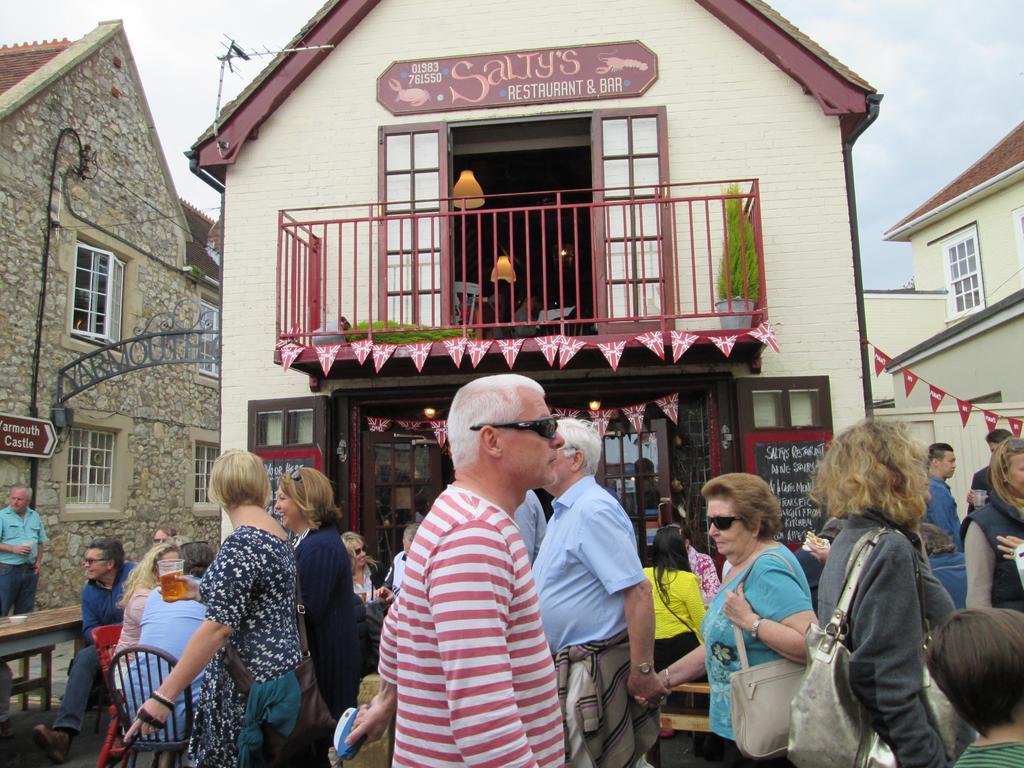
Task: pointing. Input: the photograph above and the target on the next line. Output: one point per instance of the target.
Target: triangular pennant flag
(602, 417)
(381, 353)
(419, 352)
(765, 333)
(570, 347)
(549, 346)
(991, 419)
(378, 425)
(477, 350)
(456, 348)
(440, 430)
(327, 355)
(509, 349)
(724, 343)
(288, 355)
(635, 415)
(681, 341)
(654, 341)
(935, 395)
(881, 360)
(567, 413)
(909, 380)
(965, 410)
(410, 425)
(669, 405)
(1015, 425)
(281, 343)
(612, 352)
(362, 349)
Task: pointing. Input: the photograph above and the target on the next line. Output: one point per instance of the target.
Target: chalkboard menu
(788, 466)
(280, 462)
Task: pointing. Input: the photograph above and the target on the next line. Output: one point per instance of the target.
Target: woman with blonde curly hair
(367, 573)
(140, 582)
(874, 477)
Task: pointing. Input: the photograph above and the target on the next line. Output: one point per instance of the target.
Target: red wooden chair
(105, 639)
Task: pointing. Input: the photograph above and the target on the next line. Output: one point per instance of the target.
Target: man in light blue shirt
(593, 589)
(532, 524)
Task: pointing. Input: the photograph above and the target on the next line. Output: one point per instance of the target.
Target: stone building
(97, 249)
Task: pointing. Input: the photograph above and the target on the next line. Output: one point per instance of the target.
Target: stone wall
(123, 203)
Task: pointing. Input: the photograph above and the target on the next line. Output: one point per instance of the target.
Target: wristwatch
(755, 626)
(644, 668)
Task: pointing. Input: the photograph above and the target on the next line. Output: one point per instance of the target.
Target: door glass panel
(615, 135)
(421, 469)
(398, 154)
(382, 464)
(399, 188)
(426, 150)
(767, 408)
(616, 174)
(645, 135)
(426, 190)
(402, 462)
(645, 175)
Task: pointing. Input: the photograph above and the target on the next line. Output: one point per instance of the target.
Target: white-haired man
(463, 658)
(598, 611)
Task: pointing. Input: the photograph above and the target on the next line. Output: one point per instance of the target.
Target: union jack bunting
(635, 415)
(419, 352)
(570, 347)
(477, 350)
(362, 349)
(669, 405)
(288, 355)
(724, 343)
(456, 348)
(612, 352)
(765, 333)
(509, 349)
(381, 353)
(327, 355)
(549, 346)
(378, 425)
(681, 341)
(654, 341)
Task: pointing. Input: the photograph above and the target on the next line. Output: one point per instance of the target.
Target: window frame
(89, 468)
(113, 312)
(203, 489)
(211, 369)
(1017, 216)
(948, 244)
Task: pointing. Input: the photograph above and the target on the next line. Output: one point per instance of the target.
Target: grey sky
(952, 72)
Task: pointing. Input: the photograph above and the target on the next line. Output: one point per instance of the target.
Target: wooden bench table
(691, 716)
(36, 636)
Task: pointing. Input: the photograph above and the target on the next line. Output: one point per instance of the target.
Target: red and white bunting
(419, 352)
(724, 343)
(509, 349)
(440, 430)
(765, 333)
(601, 419)
(612, 352)
(281, 343)
(567, 413)
(669, 405)
(991, 419)
(635, 415)
(327, 355)
(935, 395)
(288, 355)
(1015, 425)
(381, 354)
(681, 341)
(568, 350)
(909, 380)
(411, 425)
(456, 348)
(650, 438)
(654, 341)
(549, 346)
(378, 425)
(965, 410)
(362, 349)
(477, 350)
(881, 360)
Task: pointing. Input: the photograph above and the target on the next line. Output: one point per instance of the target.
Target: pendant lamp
(467, 192)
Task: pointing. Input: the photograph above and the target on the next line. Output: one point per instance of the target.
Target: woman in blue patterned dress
(249, 592)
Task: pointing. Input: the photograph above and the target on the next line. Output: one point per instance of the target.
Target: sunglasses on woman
(546, 427)
(723, 522)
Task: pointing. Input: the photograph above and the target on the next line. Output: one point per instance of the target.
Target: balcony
(595, 264)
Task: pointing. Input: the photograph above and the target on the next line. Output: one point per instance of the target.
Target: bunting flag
(281, 343)
(288, 355)
(410, 425)
(991, 419)
(724, 343)
(935, 395)
(549, 346)
(327, 355)
(381, 353)
(378, 425)
(477, 350)
(1015, 425)
(362, 349)
(568, 350)
(881, 361)
(567, 413)
(612, 352)
(456, 348)
(635, 415)
(765, 333)
(419, 352)
(669, 405)
(509, 349)
(654, 341)
(681, 341)
(965, 410)
(440, 430)
(602, 417)
(909, 380)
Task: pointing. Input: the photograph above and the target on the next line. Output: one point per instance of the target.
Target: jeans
(17, 590)
(76, 695)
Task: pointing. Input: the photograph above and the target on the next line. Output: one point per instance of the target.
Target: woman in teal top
(771, 606)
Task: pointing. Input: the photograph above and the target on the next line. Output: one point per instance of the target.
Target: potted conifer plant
(739, 274)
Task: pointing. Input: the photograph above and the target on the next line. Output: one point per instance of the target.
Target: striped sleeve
(387, 662)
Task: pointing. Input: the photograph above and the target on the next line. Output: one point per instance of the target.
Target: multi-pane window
(99, 285)
(205, 456)
(209, 319)
(963, 266)
(90, 466)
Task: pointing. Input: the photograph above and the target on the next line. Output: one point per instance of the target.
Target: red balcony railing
(585, 262)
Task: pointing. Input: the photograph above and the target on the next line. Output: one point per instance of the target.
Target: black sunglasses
(546, 427)
(723, 522)
(91, 560)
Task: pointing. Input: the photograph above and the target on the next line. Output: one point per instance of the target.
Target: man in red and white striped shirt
(463, 657)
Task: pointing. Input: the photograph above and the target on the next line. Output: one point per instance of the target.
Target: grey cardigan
(885, 637)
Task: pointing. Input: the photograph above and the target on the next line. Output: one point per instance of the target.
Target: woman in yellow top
(678, 607)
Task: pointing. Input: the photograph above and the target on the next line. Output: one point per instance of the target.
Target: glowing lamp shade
(503, 270)
(468, 193)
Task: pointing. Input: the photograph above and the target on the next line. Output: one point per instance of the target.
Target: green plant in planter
(742, 253)
(410, 336)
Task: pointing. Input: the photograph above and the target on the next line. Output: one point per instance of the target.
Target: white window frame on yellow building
(969, 234)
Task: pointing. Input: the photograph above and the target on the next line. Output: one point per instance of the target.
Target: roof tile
(19, 61)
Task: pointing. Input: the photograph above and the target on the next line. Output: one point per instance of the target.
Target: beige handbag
(761, 699)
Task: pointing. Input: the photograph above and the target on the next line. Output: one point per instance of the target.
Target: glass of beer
(172, 584)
